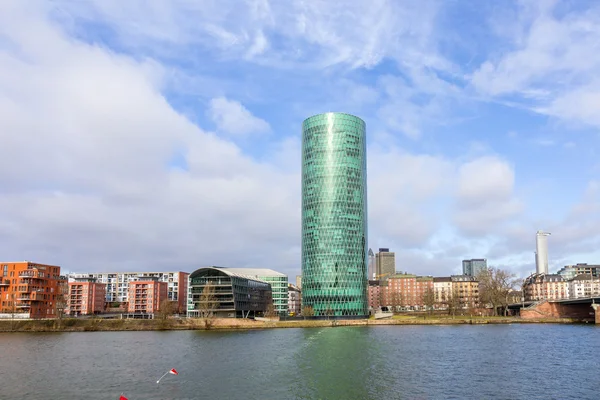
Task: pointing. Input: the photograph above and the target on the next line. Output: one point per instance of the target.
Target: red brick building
(85, 297)
(146, 296)
(406, 291)
(374, 294)
(31, 288)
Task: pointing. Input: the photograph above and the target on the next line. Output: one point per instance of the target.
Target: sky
(166, 135)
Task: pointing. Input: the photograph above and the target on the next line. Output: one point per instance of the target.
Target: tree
(308, 311)
(454, 304)
(270, 312)
(167, 308)
(429, 298)
(495, 286)
(397, 300)
(207, 304)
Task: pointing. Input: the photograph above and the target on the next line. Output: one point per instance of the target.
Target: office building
(569, 272)
(219, 292)
(299, 281)
(278, 281)
(474, 267)
(147, 295)
(117, 285)
(334, 216)
(85, 297)
(372, 269)
(541, 252)
(385, 261)
(31, 290)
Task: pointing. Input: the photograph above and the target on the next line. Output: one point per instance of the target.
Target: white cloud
(234, 119)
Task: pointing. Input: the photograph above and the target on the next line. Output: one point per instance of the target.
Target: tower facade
(334, 216)
(372, 272)
(541, 252)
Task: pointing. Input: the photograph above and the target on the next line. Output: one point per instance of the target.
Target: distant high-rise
(541, 252)
(334, 215)
(372, 266)
(386, 263)
(474, 266)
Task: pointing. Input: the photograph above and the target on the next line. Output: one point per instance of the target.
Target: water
(385, 362)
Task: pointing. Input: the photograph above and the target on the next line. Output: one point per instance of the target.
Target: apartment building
(569, 272)
(294, 300)
(466, 289)
(31, 289)
(146, 295)
(583, 286)
(545, 287)
(374, 295)
(85, 296)
(442, 288)
(117, 284)
(406, 291)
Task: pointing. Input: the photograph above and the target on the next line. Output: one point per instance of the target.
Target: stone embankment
(97, 324)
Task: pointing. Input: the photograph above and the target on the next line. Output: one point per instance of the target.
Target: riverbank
(97, 324)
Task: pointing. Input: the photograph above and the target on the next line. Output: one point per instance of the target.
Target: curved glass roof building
(334, 216)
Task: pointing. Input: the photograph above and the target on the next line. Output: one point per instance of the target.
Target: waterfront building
(278, 281)
(334, 216)
(545, 287)
(583, 286)
(385, 261)
(117, 285)
(294, 300)
(31, 289)
(146, 295)
(474, 266)
(541, 252)
(220, 292)
(569, 272)
(442, 288)
(466, 288)
(406, 291)
(85, 296)
(374, 295)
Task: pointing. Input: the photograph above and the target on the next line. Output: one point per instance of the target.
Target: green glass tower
(334, 216)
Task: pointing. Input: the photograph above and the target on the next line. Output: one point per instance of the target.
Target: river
(529, 361)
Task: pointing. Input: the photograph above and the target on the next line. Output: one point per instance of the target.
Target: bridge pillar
(596, 308)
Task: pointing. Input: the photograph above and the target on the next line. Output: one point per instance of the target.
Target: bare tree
(429, 298)
(454, 304)
(270, 312)
(166, 309)
(207, 304)
(397, 300)
(495, 285)
(308, 311)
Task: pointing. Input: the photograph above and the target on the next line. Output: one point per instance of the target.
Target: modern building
(146, 296)
(442, 287)
(278, 281)
(569, 272)
(541, 252)
(334, 216)
(294, 300)
(545, 287)
(31, 289)
(299, 281)
(385, 261)
(85, 296)
(474, 266)
(117, 284)
(466, 289)
(220, 292)
(372, 269)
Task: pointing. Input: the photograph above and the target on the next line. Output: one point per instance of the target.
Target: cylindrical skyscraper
(334, 216)
(541, 252)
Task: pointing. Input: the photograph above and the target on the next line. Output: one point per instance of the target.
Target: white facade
(442, 288)
(584, 286)
(541, 252)
(117, 283)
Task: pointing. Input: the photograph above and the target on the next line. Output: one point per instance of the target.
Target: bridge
(583, 309)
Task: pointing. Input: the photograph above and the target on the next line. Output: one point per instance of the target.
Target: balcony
(22, 305)
(4, 282)
(32, 296)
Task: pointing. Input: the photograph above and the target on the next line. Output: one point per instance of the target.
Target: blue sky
(166, 135)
